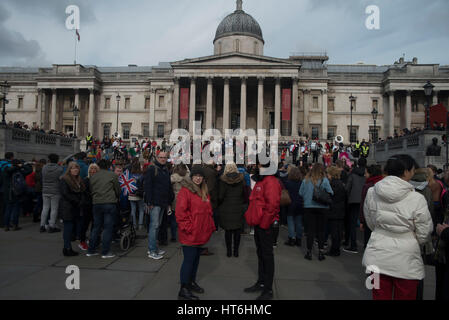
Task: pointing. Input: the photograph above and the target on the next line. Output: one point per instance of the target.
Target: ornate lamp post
(375, 113)
(352, 101)
(428, 90)
(118, 108)
(76, 113)
(4, 90)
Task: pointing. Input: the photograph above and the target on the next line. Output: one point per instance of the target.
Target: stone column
(90, 126)
(175, 110)
(306, 112)
(324, 122)
(225, 105)
(152, 105)
(390, 113)
(77, 103)
(408, 110)
(40, 102)
(260, 104)
(209, 103)
(435, 97)
(192, 109)
(243, 104)
(277, 106)
(53, 109)
(295, 108)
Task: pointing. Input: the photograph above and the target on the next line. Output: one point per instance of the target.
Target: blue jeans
(190, 264)
(156, 215)
(134, 205)
(104, 216)
(294, 227)
(12, 211)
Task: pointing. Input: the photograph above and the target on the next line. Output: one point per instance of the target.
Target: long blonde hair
(316, 174)
(230, 168)
(76, 183)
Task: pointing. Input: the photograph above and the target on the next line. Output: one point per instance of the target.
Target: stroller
(127, 232)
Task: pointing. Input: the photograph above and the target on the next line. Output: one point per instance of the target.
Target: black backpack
(18, 184)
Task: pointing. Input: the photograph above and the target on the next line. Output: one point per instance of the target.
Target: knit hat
(197, 170)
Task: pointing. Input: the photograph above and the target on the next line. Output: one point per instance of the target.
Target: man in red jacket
(263, 210)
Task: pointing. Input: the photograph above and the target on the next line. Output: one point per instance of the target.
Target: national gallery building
(235, 87)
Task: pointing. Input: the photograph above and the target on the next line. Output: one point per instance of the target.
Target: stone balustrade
(27, 145)
(414, 145)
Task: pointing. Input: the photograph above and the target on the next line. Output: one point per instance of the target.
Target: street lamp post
(428, 90)
(374, 113)
(4, 90)
(76, 113)
(351, 100)
(118, 108)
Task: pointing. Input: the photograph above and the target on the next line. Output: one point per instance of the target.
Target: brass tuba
(339, 139)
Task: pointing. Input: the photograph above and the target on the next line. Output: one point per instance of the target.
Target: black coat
(7, 173)
(231, 199)
(338, 206)
(297, 206)
(158, 190)
(71, 202)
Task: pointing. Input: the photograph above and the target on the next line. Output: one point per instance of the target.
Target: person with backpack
(315, 211)
(314, 150)
(50, 193)
(14, 187)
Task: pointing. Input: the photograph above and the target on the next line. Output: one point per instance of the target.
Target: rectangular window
(315, 102)
(106, 129)
(353, 136)
(147, 103)
(374, 134)
(315, 132)
(331, 133)
(160, 130)
(107, 102)
(331, 104)
(376, 104)
(126, 128)
(37, 101)
(161, 101)
(145, 130)
(20, 103)
(127, 103)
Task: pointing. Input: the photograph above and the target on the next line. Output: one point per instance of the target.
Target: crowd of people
(403, 211)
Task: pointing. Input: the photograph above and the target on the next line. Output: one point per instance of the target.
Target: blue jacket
(306, 192)
(246, 176)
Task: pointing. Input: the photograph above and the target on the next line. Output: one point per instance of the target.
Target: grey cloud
(55, 9)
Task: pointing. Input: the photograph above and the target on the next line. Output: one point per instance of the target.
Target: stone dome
(239, 23)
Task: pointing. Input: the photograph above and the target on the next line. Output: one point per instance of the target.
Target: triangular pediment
(234, 59)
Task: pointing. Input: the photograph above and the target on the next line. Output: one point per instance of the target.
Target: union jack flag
(127, 184)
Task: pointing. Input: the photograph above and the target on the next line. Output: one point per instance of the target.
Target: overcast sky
(146, 32)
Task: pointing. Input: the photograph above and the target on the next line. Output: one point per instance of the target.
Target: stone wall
(27, 145)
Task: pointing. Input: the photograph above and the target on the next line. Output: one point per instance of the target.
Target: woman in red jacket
(195, 227)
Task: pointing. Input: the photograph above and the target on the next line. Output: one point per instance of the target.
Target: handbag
(285, 196)
(321, 196)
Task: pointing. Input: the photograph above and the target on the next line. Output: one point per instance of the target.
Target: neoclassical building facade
(236, 87)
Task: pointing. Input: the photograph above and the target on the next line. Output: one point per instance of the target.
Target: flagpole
(75, 47)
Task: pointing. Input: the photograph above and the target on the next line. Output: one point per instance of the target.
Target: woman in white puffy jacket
(401, 222)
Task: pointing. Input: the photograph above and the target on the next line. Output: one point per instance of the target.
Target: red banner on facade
(184, 104)
(286, 104)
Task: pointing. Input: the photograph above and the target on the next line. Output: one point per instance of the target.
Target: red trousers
(395, 289)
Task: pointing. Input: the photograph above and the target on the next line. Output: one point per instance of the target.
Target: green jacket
(104, 188)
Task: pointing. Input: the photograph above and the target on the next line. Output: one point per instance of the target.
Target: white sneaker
(108, 256)
(92, 254)
(161, 252)
(155, 256)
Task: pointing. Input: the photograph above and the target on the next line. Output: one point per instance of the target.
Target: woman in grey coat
(231, 199)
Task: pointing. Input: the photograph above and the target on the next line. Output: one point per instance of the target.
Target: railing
(413, 141)
(45, 139)
(20, 135)
(395, 144)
